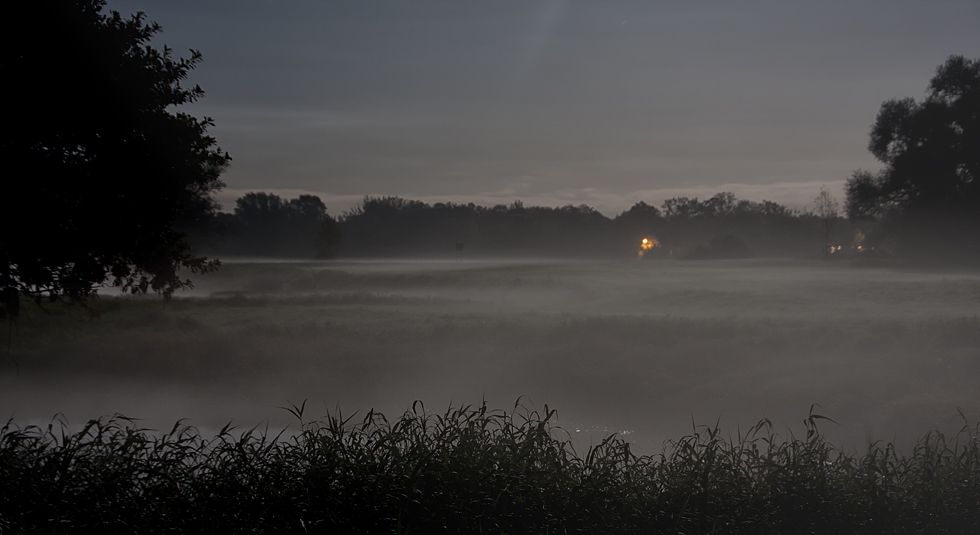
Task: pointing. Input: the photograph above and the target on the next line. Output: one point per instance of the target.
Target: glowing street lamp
(646, 244)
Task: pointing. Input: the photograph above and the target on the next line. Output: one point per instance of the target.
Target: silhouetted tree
(640, 221)
(265, 224)
(769, 208)
(682, 208)
(329, 238)
(98, 169)
(766, 228)
(304, 220)
(928, 194)
(722, 226)
(392, 226)
(262, 217)
(721, 246)
(826, 208)
(720, 204)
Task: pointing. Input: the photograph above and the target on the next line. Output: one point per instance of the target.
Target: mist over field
(631, 347)
(490, 267)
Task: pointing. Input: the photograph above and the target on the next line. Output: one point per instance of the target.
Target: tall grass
(474, 470)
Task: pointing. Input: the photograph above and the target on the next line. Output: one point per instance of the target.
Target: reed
(475, 470)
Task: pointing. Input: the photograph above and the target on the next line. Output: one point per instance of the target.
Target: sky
(553, 102)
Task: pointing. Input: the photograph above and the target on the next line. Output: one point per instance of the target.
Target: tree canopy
(265, 224)
(826, 208)
(722, 225)
(99, 167)
(928, 194)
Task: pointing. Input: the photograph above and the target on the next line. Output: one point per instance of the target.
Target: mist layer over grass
(638, 348)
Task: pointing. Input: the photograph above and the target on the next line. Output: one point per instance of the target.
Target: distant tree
(262, 217)
(270, 226)
(681, 208)
(641, 210)
(640, 221)
(927, 196)
(329, 238)
(721, 246)
(306, 210)
(98, 169)
(304, 220)
(720, 204)
(773, 209)
(826, 208)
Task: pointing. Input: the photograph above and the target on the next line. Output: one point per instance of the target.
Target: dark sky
(553, 102)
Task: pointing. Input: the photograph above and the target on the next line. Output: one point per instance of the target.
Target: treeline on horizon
(923, 205)
(722, 226)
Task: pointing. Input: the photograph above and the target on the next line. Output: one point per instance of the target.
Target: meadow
(641, 349)
(651, 396)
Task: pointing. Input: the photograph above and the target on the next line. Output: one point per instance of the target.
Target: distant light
(646, 244)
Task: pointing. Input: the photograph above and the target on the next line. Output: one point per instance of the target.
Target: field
(636, 348)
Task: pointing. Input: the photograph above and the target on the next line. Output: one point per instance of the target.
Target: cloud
(553, 102)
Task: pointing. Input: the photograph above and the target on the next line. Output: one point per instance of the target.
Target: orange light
(646, 244)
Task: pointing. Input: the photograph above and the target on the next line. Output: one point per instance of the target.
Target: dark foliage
(720, 247)
(272, 226)
(99, 170)
(471, 470)
(927, 197)
(391, 226)
(267, 225)
(689, 228)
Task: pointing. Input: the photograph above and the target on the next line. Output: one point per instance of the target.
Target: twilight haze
(553, 102)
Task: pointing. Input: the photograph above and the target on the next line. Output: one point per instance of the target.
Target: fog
(641, 348)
